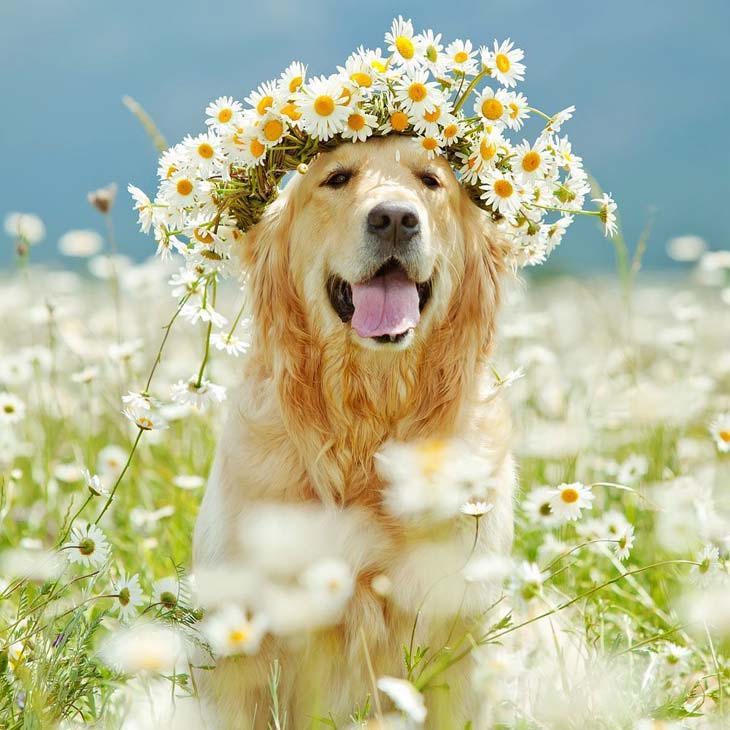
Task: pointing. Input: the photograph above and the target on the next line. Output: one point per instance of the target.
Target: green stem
(120, 477)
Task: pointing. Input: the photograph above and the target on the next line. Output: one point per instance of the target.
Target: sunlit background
(649, 80)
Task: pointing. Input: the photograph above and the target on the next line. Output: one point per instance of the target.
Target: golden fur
(317, 403)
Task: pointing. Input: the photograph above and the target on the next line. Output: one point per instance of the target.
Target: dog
(375, 284)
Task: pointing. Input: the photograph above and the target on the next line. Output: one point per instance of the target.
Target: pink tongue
(385, 305)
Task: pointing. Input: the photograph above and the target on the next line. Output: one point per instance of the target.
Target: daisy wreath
(455, 100)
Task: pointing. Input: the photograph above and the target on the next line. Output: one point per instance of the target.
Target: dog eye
(338, 179)
(430, 181)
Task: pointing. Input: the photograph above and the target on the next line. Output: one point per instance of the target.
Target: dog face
(376, 240)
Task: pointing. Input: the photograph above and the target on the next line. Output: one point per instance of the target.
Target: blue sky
(649, 80)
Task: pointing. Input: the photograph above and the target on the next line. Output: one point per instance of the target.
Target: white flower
(25, 226)
(432, 478)
(675, 657)
(502, 193)
(86, 376)
(144, 647)
(607, 213)
(198, 311)
(404, 44)
(526, 582)
(538, 507)
(87, 545)
(203, 153)
(568, 500)
(129, 596)
(292, 78)
(557, 120)
(137, 401)
(12, 409)
(229, 343)
(359, 125)
(624, 542)
(686, 248)
(197, 394)
(267, 96)
(720, 430)
(171, 592)
(145, 420)
(416, 94)
(143, 206)
(320, 102)
(188, 481)
(405, 697)
(94, 484)
(709, 566)
(492, 106)
(230, 631)
(80, 243)
(223, 113)
(504, 63)
(461, 57)
(475, 508)
(531, 161)
(331, 579)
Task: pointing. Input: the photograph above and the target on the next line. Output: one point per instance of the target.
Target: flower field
(615, 609)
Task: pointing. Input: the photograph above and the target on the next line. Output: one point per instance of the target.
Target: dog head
(375, 246)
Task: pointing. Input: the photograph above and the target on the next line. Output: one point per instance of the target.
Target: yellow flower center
(87, 546)
(430, 143)
(569, 495)
(256, 147)
(345, 96)
(487, 149)
(399, 121)
(461, 56)
(417, 91)
(291, 110)
(492, 109)
(405, 47)
(295, 83)
(362, 79)
(432, 54)
(514, 110)
(273, 129)
(225, 115)
(502, 62)
(170, 171)
(205, 151)
(531, 161)
(145, 423)
(324, 105)
(451, 130)
(184, 186)
(725, 436)
(356, 122)
(503, 188)
(264, 104)
(237, 636)
(379, 66)
(434, 115)
(432, 454)
(203, 236)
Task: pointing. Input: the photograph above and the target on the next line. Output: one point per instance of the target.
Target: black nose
(394, 222)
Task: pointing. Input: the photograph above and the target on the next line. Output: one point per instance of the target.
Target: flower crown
(217, 184)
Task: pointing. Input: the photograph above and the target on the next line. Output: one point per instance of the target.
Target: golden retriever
(375, 284)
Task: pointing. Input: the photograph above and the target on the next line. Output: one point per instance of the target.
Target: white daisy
(430, 121)
(271, 129)
(502, 193)
(607, 213)
(170, 592)
(416, 94)
(267, 96)
(568, 500)
(12, 409)
(143, 206)
(129, 596)
(492, 106)
(720, 430)
(323, 115)
(197, 394)
(403, 44)
(557, 120)
(359, 125)
(229, 343)
(223, 113)
(94, 483)
(504, 63)
(405, 697)
(330, 578)
(202, 311)
(204, 153)
(518, 110)
(526, 582)
(146, 420)
(110, 460)
(431, 145)
(358, 70)
(531, 161)
(433, 52)
(462, 58)
(230, 631)
(181, 189)
(554, 232)
(25, 226)
(87, 545)
(80, 243)
(475, 508)
(709, 566)
(397, 121)
(292, 78)
(144, 647)
(537, 506)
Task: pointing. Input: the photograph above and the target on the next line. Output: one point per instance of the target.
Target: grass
(622, 380)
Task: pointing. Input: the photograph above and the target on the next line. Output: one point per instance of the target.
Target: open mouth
(386, 308)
